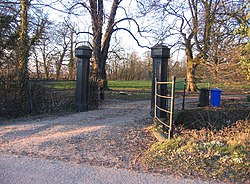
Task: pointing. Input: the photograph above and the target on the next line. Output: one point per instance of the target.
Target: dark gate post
(83, 53)
(160, 54)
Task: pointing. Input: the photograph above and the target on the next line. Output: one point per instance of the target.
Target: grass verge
(222, 155)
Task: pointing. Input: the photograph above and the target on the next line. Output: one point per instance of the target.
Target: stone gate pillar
(83, 54)
(160, 54)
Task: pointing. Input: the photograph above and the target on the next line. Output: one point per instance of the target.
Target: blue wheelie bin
(215, 97)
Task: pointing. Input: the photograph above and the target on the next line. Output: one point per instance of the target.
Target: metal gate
(169, 109)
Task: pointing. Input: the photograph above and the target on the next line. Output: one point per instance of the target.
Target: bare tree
(223, 56)
(203, 26)
(103, 27)
(130, 66)
(25, 42)
(182, 25)
(62, 45)
(71, 65)
(72, 41)
(55, 51)
(44, 52)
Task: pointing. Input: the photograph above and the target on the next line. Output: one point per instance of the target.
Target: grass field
(130, 85)
(179, 86)
(142, 85)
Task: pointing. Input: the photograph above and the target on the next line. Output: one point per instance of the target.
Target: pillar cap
(83, 52)
(160, 51)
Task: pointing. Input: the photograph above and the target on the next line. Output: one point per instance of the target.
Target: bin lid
(216, 89)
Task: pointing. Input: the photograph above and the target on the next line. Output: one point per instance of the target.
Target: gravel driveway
(113, 136)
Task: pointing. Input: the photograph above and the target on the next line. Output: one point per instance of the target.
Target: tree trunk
(191, 65)
(191, 86)
(71, 58)
(22, 62)
(101, 44)
(60, 62)
(96, 11)
(45, 63)
(23, 52)
(59, 65)
(37, 65)
(216, 73)
(58, 69)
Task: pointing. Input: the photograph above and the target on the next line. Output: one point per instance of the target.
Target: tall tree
(184, 21)
(8, 38)
(53, 49)
(197, 24)
(240, 12)
(101, 42)
(71, 65)
(222, 60)
(25, 41)
(62, 44)
(103, 27)
(23, 51)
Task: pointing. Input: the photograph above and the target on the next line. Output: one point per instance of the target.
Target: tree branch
(137, 41)
(82, 4)
(84, 32)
